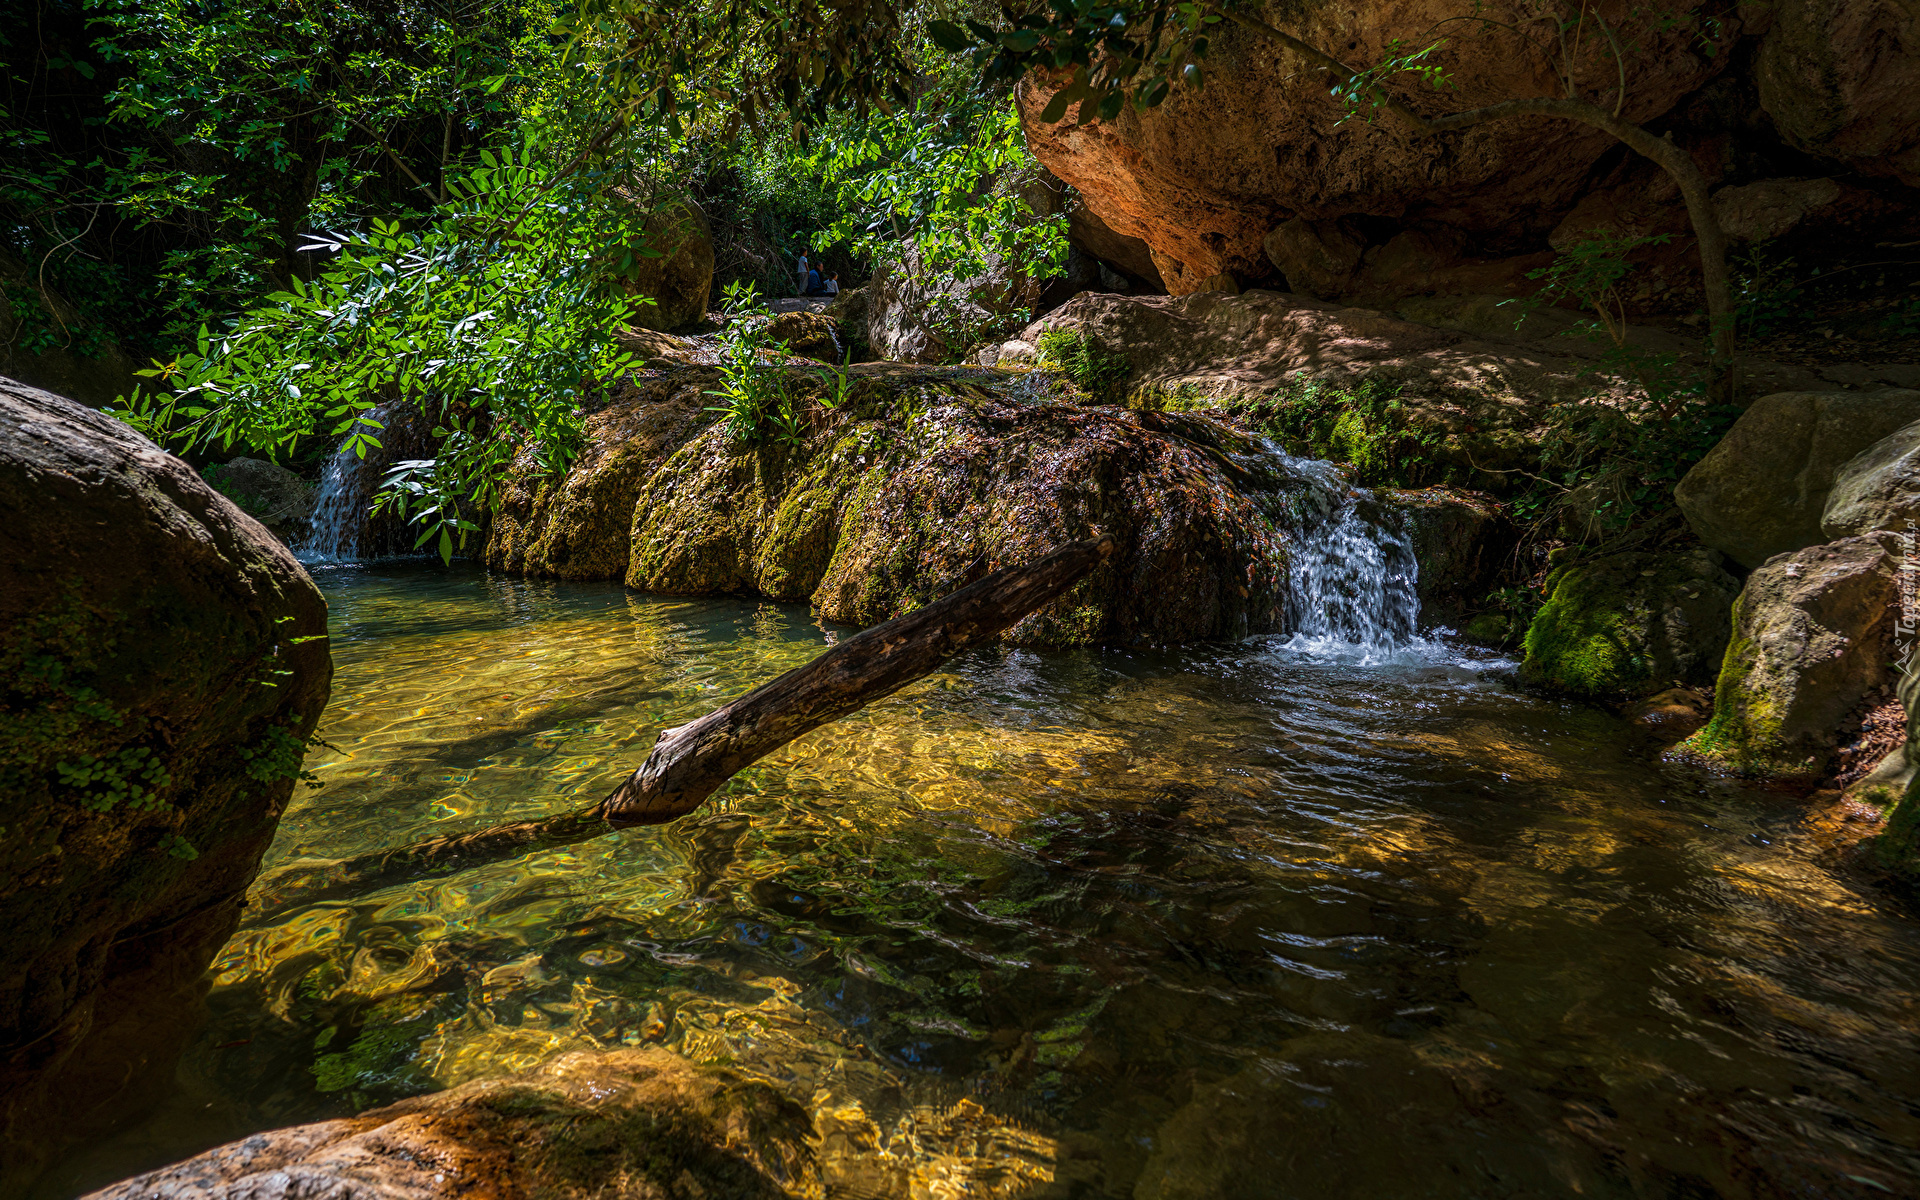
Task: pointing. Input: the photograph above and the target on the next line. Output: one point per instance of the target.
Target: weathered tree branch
(692, 762)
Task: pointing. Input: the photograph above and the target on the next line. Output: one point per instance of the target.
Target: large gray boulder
(1764, 488)
(162, 662)
(1879, 488)
(1813, 633)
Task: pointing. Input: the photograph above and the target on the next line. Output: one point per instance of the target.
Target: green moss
(1898, 845)
(1079, 356)
(1743, 735)
(1584, 641)
(1365, 424)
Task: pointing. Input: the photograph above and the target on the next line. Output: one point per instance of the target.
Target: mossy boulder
(1630, 624)
(921, 480)
(1812, 636)
(640, 1123)
(578, 524)
(162, 662)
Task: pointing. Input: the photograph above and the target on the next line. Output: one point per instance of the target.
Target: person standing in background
(804, 268)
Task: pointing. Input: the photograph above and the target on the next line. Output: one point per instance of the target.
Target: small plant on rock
(751, 389)
(1079, 356)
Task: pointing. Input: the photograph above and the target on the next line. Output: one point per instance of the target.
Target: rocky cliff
(1262, 176)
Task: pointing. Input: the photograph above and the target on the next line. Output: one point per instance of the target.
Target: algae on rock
(1629, 624)
(1812, 632)
(919, 481)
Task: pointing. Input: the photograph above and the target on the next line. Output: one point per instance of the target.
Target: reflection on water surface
(1230, 921)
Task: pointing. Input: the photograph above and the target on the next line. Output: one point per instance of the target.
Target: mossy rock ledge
(162, 662)
(923, 480)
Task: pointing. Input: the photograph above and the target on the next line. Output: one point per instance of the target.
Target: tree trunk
(690, 763)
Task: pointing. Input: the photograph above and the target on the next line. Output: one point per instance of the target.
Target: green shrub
(1078, 355)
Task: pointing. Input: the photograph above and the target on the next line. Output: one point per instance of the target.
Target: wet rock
(1879, 488)
(679, 278)
(922, 481)
(926, 481)
(1762, 490)
(1462, 541)
(1811, 641)
(580, 525)
(271, 494)
(1676, 711)
(1204, 177)
(1630, 624)
(1841, 80)
(809, 335)
(641, 1123)
(162, 662)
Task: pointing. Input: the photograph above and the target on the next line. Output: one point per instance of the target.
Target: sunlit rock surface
(162, 661)
(919, 482)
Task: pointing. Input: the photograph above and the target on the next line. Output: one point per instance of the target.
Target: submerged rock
(641, 1123)
(1762, 490)
(162, 663)
(1812, 635)
(1631, 624)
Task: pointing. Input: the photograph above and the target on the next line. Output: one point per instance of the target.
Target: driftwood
(690, 763)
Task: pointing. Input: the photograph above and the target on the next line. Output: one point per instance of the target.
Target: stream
(1305, 918)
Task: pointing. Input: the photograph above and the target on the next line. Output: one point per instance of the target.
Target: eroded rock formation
(1263, 177)
(162, 663)
(1206, 176)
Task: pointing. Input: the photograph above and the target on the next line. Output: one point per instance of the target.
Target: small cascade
(1352, 571)
(341, 528)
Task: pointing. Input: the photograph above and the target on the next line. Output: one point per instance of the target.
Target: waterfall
(1353, 578)
(340, 528)
(339, 514)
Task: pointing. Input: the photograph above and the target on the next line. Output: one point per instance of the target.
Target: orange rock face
(1203, 178)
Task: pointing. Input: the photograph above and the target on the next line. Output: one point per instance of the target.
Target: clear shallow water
(1273, 919)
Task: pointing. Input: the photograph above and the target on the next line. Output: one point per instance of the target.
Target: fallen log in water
(690, 763)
